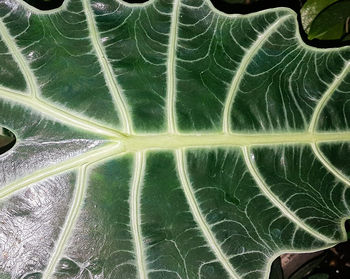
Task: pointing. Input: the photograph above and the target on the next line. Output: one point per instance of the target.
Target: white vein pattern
(21, 61)
(51, 111)
(96, 155)
(276, 202)
(111, 82)
(339, 175)
(327, 95)
(34, 89)
(139, 144)
(171, 69)
(34, 99)
(135, 214)
(71, 218)
(248, 56)
(198, 216)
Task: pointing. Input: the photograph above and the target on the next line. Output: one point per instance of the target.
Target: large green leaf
(167, 140)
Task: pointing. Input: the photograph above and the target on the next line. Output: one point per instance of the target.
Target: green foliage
(326, 19)
(167, 140)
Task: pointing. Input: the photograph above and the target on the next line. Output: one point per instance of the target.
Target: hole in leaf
(347, 228)
(45, 4)
(7, 140)
(347, 225)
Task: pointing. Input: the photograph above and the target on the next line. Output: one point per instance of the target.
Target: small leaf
(330, 23)
(311, 9)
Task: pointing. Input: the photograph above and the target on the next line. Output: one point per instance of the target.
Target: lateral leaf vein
(110, 79)
(135, 214)
(199, 218)
(242, 68)
(277, 202)
(68, 226)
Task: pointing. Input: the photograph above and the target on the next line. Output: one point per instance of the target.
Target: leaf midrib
(144, 143)
(139, 142)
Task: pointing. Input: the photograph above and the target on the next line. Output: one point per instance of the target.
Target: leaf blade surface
(192, 144)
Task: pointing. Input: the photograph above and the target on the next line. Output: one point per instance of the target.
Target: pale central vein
(107, 69)
(277, 202)
(326, 96)
(242, 68)
(136, 143)
(198, 216)
(171, 69)
(20, 59)
(71, 218)
(135, 214)
(171, 141)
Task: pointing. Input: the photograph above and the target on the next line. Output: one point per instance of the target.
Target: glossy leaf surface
(167, 140)
(326, 19)
(311, 9)
(337, 16)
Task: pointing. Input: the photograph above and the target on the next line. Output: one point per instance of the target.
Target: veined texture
(167, 140)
